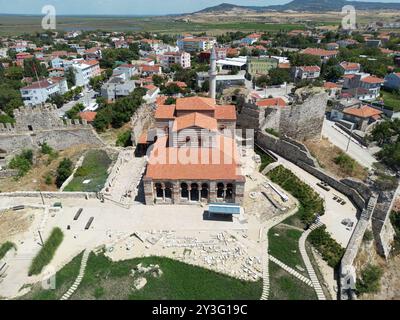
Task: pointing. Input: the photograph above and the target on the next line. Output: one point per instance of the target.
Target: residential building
(251, 39)
(117, 87)
(325, 55)
(362, 86)
(306, 73)
(128, 70)
(193, 44)
(178, 58)
(149, 70)
(362, 116)
(85, 70)
(350, 67)
(38, 92)
(392, 81)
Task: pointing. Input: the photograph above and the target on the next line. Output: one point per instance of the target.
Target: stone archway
(205, 191)
(220, 190)
(184, 191)
(194, 192)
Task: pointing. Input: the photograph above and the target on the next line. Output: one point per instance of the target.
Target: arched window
(194, 192)
(168, 190)
(204, 191)
(184, 191)
(220, 190)
(229, 191)
(159, 191)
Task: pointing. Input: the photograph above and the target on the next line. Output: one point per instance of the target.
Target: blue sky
(128, 7)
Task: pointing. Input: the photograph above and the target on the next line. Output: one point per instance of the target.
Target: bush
(272, 132)
(124, 139)
(368, 236)
(370, 280)
(311, 204)
(48, 179)
(22, 162)
(47, 252)
(5, 247)
(346, 163)
(395, 220)
(64, 170)
(330, 250)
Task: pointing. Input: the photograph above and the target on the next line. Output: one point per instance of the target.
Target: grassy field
(286, 287)
(5, 247)
(107, 280)
(94, 168)
(392, 100)
(47, 252)
(18, 24)
(64, 280)
(285, 247)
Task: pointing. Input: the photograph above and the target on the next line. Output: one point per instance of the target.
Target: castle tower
(213, 74)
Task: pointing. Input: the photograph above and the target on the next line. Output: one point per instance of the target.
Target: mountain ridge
(306, 5)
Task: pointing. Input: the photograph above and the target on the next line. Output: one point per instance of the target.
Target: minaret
(213, 74)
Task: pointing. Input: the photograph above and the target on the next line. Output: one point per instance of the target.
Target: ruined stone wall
(381, 225)
(304, 119)
(250, 116)
(34, 126)
(142, 120)
(298, 154)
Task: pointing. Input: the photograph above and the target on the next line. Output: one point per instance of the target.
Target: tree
(64, 170)
(370, 279)
(304, 60)
(70, 77)
(74, 111)
(278, 76)
(33, 68)
(158, 80)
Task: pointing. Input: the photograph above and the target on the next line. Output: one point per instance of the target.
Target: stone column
(148, 191)
(176, 190)
(212, 192)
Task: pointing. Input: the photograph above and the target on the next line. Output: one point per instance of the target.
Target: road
(86, 100)
(341, 139)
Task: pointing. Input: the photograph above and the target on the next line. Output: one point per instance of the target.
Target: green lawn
(94, 168)
(285, 247)
(64, 280)
(284, 286)
(392, 100)
(5, 247)
(107, 280)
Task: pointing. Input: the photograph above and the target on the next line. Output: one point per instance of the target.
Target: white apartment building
(38, 92)
(192, 44)
(84, 71)
(180, 58)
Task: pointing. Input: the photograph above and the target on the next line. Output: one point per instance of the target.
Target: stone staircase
(307, 262)
(291, 271)
(81, 274)
(266, 285)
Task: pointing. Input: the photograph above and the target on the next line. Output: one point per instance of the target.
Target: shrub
(5, 247)
(368, 236)
(124, 139)
(346, 163)
(47, 252)
(331, 251)
(370, 280)
(311, 204)
(22, 162)
(46, 149)
(64, 170)
(48, 179)
(272, 132)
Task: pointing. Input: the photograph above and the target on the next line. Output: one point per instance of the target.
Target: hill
(306, 5)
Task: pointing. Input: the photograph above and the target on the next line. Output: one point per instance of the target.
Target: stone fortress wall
(142, 119)
(34, 126)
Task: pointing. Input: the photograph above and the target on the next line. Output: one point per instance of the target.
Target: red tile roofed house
(151, 94)
(306, 72)
(38, 92)
(332, 88)
(325, 55)
(150, 70)
(89, 116)
(350, 67)
(362, 116)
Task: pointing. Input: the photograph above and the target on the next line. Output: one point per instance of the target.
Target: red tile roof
(195, 120)
(203, 168)
(372, 79)
(225, 113)
(195, 104)
(271, 102)
(310, 68)
(320, 52)
(89, 116)
(363, 111)
(165, 112)
(350, 65)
